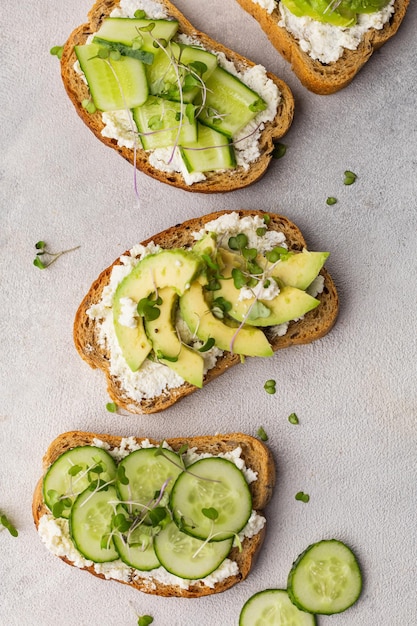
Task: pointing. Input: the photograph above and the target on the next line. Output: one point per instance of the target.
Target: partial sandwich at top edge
(327, 42)
(184, 306)
(151, 86)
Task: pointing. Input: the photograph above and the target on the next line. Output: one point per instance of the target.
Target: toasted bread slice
(314, 325)
(256, 456)
(318, 77)
(220, 181)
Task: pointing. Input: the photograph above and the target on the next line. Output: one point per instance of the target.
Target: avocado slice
(298, 269)
(162, 333)
(322, 10)
(169, 268)
(198, 317)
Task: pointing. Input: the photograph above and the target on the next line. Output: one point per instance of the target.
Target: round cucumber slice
(211, 500)
(72, 473)
(272, 607)
(147, 471)
(136, 547)
(187, 557)
(91, 524)
(325, 579)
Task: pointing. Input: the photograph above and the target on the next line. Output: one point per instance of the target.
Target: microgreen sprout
(293, 419)
(208, 345)
(148, 308)
(279, 150)
(331, 200)
(7, 524)
(145, 620)
(270, 386)
(111, 407)
(262, 434)
(349, 178)
(44, 257)
(57, 51)
(302, 497)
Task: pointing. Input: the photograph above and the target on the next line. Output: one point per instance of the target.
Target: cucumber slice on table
(325, 579)
(162, 123)
(142, 32)
(230, 104)
(212, 151)
(72, 473)
(147, 472)
(211, 500)
(114, 84)
(188, 557)
(91, 524)
(136, 546)
(272, 607)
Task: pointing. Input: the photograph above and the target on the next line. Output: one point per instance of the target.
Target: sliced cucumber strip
(162, 123)
(211, 499)
(136, 545)
(140, 32)
(91, 524)
(230, 104)
(146, 473)
(188, 557)
(325, 579)
(273, 607)
(211, 151)
(72, 473)
(114, 84)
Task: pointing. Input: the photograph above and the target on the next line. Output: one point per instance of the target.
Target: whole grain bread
(256, 455)
(315, 323)
(222, 181)
(318, 77)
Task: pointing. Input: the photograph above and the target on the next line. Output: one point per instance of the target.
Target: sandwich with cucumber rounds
(180, 517)
(178, 105)
(184, 306)
(327, 42)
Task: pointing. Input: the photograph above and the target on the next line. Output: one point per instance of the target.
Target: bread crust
(256, 455)
(216, 182)
(320, 78)
(314, 325)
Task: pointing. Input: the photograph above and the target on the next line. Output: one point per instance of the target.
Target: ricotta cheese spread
(55, 533)
(119, 125)
(326, 42)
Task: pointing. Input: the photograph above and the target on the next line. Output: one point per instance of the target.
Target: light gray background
(354, 391)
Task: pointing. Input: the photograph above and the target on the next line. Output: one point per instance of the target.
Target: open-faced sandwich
(327, 41)
(179, 106)
(184, 306)
(180, 517)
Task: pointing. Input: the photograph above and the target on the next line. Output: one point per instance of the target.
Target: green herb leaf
(210, 513)
(170, 359)
(199, 67)
(302, 497)
(121, 475)
(157, 515)
(183, 449)
(331, 200)
(74, 470)
(267, 219)
(145, 620)
(4, 521)
(148, 309)
(261, 231)
(249, 253)
(279, 150)
(293, 419)
(38, 263)
(239, 278)
(57, 51)
(208, 345)
(270, 386)
(155, 123)
(258, 310)
(239, 242)
(262, 434)
(190, 112)
(276, 254)
(258, 105)
(349, 178)
(111, 407)
(139, 14)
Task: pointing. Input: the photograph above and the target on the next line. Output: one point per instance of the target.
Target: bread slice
(318, 77)
(256, 456)
(215, 181)
(314, 325)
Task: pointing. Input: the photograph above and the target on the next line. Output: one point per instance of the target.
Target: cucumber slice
(114, 85)
(136, 547)
(213, 484)
(212, 151)
(187, 557)
(325, 579)
(230, 104)
(72, 473)
(142, 32)
(273, 607)
(91, 524)
(147, 472)
(162, 123)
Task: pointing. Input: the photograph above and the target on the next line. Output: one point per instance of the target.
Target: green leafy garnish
(331, 200)
(208, 345)
(239, 278)
(270, 386)
(258, 310)
(121, 475)
(145, 620)
(258, 105)
(279, 150)
(111, 407)
(210, 513)
(238, 242)
(276, 254)
(148, 308)
(302, 497)
(349, 178)
(6, 523)
(57, 51)
(293, 419)
(74, 470)
(50, 257)
(220, 306)
(267, 219)
(139, 14)
(262, 434)
(261, 231)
